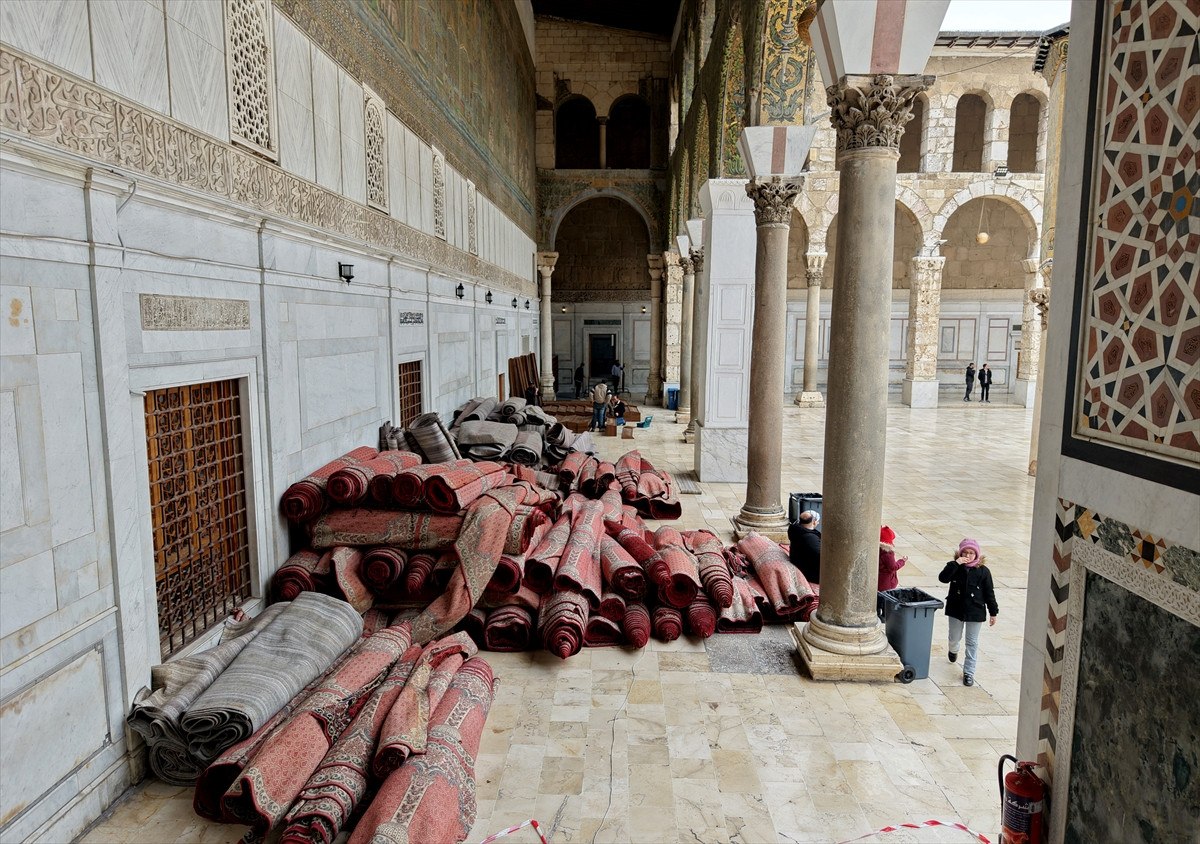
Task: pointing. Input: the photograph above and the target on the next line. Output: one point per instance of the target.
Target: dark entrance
(602, 351)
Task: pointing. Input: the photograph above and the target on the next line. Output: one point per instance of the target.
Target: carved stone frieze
(439, 194)
(472, 220)
(773, 200)
(56, 109)
(193, 313)
(870, 111)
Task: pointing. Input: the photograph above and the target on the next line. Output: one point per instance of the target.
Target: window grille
(410, 392)
(251, 75)
(197, 507)
(376, 149)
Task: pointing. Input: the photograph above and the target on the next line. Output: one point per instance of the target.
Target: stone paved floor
(687, 742)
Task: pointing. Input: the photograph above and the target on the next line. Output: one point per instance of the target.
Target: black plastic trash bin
(907, 615)
(798, 502)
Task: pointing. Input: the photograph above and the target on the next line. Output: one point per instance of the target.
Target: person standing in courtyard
(985, 383)
(618, 372)
(970, 381)
(971, 599)
(599, 406)
(889, 563)
(579, 381)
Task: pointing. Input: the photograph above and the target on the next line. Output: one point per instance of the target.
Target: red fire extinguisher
(1022, 804)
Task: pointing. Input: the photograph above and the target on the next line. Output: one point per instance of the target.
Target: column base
(773, 525)
(720, 454)
(920, 393)
(683, 416)
(548, 393)
(654, 392)
(1024, 391)
(810, 399)
(689, 433)
(842, 653)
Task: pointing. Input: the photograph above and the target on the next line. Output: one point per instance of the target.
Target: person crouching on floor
(889, 563)
(971, 599)
(804, 535)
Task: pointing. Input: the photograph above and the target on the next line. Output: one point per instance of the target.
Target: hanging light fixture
(981, 235)
(460, 291)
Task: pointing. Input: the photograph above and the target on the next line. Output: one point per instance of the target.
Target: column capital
(697, 257)
(602, 119)
(773, 199)
(1040, 297)
(869, 112)
(925, 264)
(672, 259)
(546, 262)
(655, 262)
(1030, 265)
(814, 270)
(686, 263)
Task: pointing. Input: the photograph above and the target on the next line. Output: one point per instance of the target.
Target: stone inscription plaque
(193, 313)
(410, 318)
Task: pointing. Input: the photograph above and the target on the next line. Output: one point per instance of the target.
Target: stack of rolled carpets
(526, 449)
(652, 492)
(786, 591)
(449, 489)
(476, 410)
(511, 410)
(305, 499)
(657, 570)
(304, 571)
(558, 442)
(561, 621)
(432, 440)
(361, 528)
(486, 440)
(579, 567)
(350, 484)
(408, 487)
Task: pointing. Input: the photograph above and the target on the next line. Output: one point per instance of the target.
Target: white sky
(1005, 15)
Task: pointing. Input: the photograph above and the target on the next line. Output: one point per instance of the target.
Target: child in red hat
(889, 564)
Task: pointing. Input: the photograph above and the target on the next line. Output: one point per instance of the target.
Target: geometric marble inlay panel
(193, 313)
(1140, 348)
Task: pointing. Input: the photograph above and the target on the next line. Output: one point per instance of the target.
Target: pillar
(654, 391)
(1040, 296)
(683, 414)
(763, 511)
(844, 639)
(545, 265)
(672, 317)
(696, 358)
(924, 314)
(814, 271)
(1031, 339)
(603, 121)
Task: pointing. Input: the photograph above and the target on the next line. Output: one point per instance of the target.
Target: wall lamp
(460, 291)
(526, 304)
(346, 271)
(643, 309)
(488, 297)
(514, 301)
(564, 309)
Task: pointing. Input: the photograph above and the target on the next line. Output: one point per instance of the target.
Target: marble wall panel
(412, 173)
(294, 87)
(27, 592)
(63, 413)
(196, 58)
(130, 44)
(337, 386)
(327, 116)
(354, 161)
(54, 30)
(397, 184)
(12, 499)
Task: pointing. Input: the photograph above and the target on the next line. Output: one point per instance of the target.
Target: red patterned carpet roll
(612, 606)
(408, 487)
(569, 469)
(561, 621)
(628, 469)
(420, 566)
(542, 564)
(786, 590)
(383, 567)
(347, 572)
(711, 565)
(613, 508)
(506, 579)
(684, 582)
(602, 632)
(508, 629)
(637, 625)
(473, 624)
(305, 499)
(454, 487)
(667, 623)
(304, 571)
(620, 570)
(587, 476)
(701, 617)
(666, 536)
(349, 485)
(579, 568)
(431, 797)
(655, 567)
(742, 616)
(526, 529)
(361, 527)
(597, 477)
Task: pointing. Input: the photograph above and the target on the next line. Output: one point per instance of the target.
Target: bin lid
(911, 597)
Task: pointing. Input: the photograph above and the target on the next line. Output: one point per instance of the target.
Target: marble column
(672, 317)
(683, 414)
(654, 391)
(1031, 339)
(844, 639)
(814, 272)
(1040, 297)
(603, 121)
(545, 265)
(696, 358)
(924, 314)
(763, 511)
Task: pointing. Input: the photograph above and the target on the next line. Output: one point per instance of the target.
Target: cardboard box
(627, 432)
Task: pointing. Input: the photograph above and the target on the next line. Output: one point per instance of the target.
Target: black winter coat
(971, 592)
(806, 551)
(985, 377)
(970, 375)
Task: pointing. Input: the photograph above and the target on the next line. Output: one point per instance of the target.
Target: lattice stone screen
(376, 148)
(410, 392)
(251, 75)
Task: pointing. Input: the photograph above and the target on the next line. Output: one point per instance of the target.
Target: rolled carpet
(383, 567)
(637, 625)
(561, 622)
(452, 488)
(711, 565)
(526, 449)
(569, 469)
(508, 629)
(656, 569)
(512, 406)
(667, 624)
(432, 439)
(473, 624)
(347, 573)
(612, 606)
(305, 499)
(476, 410)
(349, 485)
(742, 616)
(174, 686)
(701, 617)
(684, 581)
(486, 440)
(602, 632)
(408, 487)
(360, 527)
(528, 526)
(587, 477)
(420, 565)
(666, 536)
(542, 563)
(304, 571)
(628, 469)
(620, 571)
(432, 797)
(506, 579)
(274, 776)
(297, 646)
(606, 474)
(784, 586)
(579, 568)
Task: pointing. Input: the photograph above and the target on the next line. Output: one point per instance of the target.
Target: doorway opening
(602, 351)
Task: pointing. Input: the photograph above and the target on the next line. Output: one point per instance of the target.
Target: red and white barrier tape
(531, 822)
(983, 839)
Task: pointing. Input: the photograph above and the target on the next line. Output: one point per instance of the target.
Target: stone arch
(557, 216)
(906, 198)
(602, 242)
(798, 247)
(628, 133)
(973, 111)
(1026, 132)
(1009, 193)
(576, 134)
(1002, 261)
(908, 242)
(912, 142)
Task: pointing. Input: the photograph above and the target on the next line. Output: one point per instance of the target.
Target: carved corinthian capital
(870, 111)
(773, 200)
(697, 256)
(1040, 297)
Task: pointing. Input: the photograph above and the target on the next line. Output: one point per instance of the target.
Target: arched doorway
(576, 135)
(628, 133)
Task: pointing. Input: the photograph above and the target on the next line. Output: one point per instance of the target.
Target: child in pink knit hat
(972, 598)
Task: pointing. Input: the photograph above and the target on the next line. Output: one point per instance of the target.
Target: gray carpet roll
(486, 440)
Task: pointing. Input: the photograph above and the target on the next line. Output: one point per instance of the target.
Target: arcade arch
(996, 264)
(797, 249)
(576, 135)
(970, 116)
(906, 245)
(602, 243)
(628, 133)
(1023, 123)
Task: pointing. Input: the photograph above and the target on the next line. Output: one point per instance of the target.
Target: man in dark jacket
(985, 383)
(805, 539)
(970, 381)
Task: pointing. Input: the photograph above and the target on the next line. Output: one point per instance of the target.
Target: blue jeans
(598, 412)
(956, 634)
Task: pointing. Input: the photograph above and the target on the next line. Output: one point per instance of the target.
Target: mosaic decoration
(702, 158)
(785, 61)
(1140, 375)
(1075, 524)
(733, 105)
